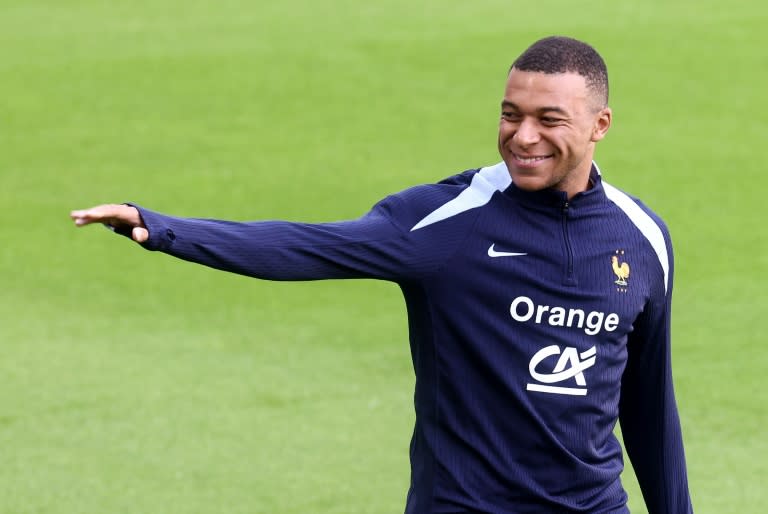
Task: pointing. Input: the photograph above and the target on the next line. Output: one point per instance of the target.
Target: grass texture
(136, 383)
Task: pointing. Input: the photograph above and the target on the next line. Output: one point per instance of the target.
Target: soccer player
(538, 301)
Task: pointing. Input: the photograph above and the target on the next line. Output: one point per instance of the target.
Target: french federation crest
(621, 270)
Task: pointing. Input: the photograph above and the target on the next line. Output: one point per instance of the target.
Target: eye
(509, 116)
(551, 121)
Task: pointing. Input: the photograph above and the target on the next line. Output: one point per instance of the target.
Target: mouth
(529, 161)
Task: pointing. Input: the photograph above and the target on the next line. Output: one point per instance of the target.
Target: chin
(529, 183)
(531, 187)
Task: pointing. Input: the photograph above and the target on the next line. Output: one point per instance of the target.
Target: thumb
(139, 234)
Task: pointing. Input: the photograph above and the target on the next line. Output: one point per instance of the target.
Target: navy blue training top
(535, 323)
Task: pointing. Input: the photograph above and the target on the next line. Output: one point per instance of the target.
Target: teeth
(529, 160)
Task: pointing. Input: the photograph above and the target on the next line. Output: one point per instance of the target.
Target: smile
(529, 161)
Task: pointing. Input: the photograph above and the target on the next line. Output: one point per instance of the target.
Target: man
(538, 301)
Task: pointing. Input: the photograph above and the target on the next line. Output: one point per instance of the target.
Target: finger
(89, 213)
(106, 213)
(94, 214)
(81, 218)
(139, 234)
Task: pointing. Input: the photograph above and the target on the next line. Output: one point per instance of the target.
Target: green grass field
(134, 383)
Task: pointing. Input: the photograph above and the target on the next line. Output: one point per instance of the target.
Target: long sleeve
(378, 245)
(648, 412)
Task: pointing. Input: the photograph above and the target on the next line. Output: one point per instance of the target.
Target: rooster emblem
(620, 270)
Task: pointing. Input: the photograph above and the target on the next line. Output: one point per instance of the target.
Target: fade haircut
(559, 54)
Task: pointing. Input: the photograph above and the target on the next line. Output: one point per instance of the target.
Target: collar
(552, 198)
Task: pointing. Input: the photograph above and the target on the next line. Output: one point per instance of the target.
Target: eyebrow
(540, 110)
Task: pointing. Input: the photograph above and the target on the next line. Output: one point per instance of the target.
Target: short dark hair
(559, 54)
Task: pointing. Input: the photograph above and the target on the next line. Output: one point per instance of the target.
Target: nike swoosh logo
(493, 253)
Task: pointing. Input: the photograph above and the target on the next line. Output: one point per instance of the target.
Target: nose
(527, 133)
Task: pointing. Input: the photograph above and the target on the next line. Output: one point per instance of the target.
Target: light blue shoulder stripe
(645, 223)
(484, 184)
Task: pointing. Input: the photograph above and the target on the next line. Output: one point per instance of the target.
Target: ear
(602, 124)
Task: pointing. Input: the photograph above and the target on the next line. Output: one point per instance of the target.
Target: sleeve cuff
(161, 236)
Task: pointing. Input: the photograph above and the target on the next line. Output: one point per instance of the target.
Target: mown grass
(134, 383)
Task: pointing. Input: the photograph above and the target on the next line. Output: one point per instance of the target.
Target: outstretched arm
(124, 219)
(377, 245)
(275, 250)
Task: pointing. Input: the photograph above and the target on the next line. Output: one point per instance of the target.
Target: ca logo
(571, 357)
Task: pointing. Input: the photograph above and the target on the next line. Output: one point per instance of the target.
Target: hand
(122, 218)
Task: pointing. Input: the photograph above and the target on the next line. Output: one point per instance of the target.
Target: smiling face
(548, 130)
